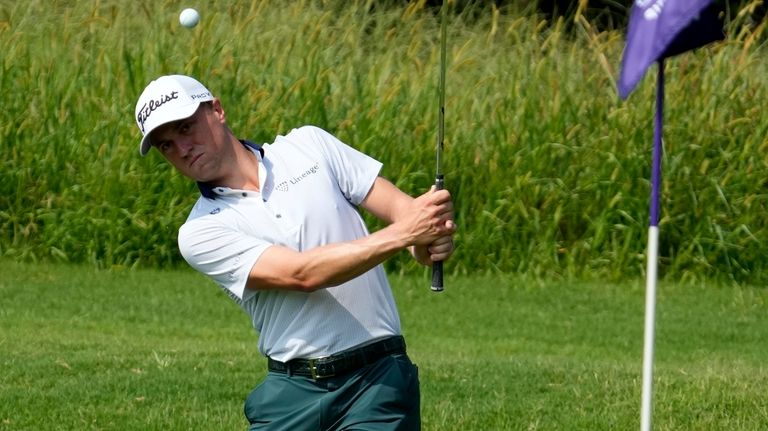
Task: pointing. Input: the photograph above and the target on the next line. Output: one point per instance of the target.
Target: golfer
(277, 226)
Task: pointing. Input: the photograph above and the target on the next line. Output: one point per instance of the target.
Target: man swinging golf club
(277, 227)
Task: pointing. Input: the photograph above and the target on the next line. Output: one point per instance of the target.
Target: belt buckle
(313, 369)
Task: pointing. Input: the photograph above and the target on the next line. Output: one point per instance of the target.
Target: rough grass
(548, 167)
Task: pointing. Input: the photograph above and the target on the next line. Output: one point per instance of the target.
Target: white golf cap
(168, 98)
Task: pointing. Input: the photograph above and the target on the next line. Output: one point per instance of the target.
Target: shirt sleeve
(222, 253)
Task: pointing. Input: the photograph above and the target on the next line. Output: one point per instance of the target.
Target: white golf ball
(189, 18)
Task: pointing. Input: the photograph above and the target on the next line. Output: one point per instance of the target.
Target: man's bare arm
(414, 222)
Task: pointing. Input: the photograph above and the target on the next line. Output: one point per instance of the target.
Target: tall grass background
(548, 168)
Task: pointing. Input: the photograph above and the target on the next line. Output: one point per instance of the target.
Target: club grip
(437, 267)
(437, 276)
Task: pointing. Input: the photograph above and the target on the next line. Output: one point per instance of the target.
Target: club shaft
(441, 96)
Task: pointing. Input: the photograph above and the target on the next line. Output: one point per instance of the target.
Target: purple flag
(659, 29)
(664, 28)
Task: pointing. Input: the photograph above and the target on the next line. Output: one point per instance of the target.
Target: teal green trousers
(381, 396)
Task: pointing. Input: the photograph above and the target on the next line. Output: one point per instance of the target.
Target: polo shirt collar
(206, 189)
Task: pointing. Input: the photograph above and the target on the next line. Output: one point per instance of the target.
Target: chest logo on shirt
(283, 186)
(215, 211)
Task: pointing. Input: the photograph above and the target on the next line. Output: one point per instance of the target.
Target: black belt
(340, 363)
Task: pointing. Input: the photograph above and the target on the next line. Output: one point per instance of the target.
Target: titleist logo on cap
(149, 107)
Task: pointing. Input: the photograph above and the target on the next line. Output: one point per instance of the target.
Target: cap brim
(145, 145)
(178, 114)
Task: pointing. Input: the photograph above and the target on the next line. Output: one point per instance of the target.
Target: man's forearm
(325, 266)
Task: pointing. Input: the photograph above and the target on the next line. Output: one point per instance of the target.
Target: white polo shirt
(311, 184)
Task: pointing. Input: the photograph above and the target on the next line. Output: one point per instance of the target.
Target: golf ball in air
(189, 17)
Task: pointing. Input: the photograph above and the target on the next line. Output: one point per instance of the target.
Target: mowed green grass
(82, 349)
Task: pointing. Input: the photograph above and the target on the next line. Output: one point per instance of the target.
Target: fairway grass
(82, 349)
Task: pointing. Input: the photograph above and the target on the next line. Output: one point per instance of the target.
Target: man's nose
(184, 145)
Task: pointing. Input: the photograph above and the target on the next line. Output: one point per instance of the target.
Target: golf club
(437, 267)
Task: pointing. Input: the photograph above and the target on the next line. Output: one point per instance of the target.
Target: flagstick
(653, 253)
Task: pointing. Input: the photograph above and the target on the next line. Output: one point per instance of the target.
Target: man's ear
(218, 110)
